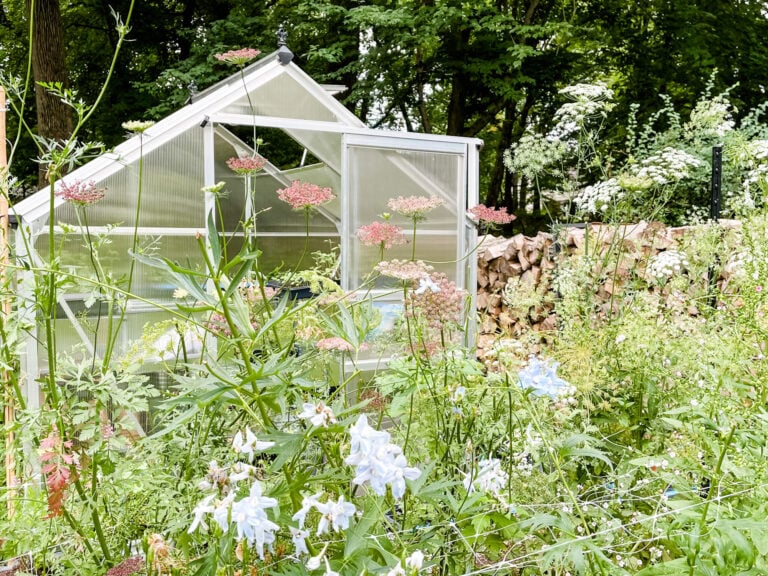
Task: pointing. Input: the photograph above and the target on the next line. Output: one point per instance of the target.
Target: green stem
(413, 242)
(237, 337)
(714, 487)
(112, 333)
(96, 521)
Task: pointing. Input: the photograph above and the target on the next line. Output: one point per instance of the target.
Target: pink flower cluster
(247, 165)
(339, 345)
(381, 234)
(305, 195)
(414, 207)
(486, 215)
(407, 270)
(238, 57)
(439, 307)
(80, 193)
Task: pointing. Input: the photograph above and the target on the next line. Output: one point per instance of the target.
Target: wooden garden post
(5, 309)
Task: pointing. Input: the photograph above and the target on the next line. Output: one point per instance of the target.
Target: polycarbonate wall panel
(170, 197)
(438, 250)
(68, 339)
(115, 259)
(282, 97)
(282, 254)
(378, 174)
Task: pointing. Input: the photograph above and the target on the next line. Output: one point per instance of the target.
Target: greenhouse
(160, 187)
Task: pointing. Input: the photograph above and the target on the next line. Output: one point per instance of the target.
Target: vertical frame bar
(347, 272)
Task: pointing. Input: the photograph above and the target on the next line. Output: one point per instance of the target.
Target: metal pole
(6, 376)
(717, 182)
(714, 212)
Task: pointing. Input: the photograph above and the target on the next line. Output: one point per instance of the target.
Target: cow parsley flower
(305, 195)
(667, 264)
(246, 165)
(238, 57)
(404, 269)
(381, 234)
(490, 216)
(414, 207)
(138, 126)
(667, 166)
(599, 197)
(80, 193)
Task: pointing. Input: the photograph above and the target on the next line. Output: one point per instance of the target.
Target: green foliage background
(485, 69)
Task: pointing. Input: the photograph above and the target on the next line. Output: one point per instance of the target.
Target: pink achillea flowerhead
(305, 195)
(493, 216)
(407, 270)
(381, 234)
(247, 165)
(415, 207)
(80, 193)
(339, 345)
(238, 57)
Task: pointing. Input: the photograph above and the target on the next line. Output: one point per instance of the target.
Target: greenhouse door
(379, 168)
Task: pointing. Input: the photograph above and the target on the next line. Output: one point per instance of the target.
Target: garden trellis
(273, 106)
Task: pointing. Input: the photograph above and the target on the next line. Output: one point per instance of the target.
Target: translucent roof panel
(282, 97)
(170, 198)
(279, 255)
(325, 146)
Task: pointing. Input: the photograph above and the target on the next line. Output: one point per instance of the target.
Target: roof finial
(192, 90)
(284, 55)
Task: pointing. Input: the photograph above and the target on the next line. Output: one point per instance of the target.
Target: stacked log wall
(533, 259)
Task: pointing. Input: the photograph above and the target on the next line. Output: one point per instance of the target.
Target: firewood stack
(533, 260)
(499, 259)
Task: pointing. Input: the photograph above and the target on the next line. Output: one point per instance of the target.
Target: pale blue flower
(541, 376)
(426, 283)
(336, 514)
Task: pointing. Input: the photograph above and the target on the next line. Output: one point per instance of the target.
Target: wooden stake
(5, 309)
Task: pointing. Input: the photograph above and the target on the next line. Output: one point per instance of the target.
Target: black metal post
(714, 212)
(717, 182)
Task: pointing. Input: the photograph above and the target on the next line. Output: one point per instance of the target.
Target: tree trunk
(495, 188)
(54, 118)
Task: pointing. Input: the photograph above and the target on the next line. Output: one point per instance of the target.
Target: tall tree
(49, 64)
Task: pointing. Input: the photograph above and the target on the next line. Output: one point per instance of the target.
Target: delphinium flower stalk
(415, 208)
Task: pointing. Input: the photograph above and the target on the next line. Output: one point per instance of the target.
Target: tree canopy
(490, 69)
